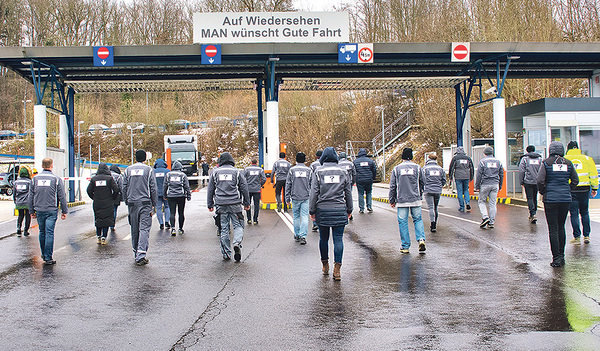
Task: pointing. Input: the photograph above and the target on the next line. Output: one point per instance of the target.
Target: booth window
(589, 137)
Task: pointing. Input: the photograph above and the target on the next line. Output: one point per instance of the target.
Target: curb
(76, 203)
(272, 206)
(504, 200)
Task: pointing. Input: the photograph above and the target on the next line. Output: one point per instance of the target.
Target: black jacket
(366, 169)
(103, 190)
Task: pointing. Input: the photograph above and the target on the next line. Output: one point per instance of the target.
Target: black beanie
(140, 155)
(572, 145)
(300, 157)
(407, 154)
(282, 155)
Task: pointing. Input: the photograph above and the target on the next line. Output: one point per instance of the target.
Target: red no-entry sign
(461, 52)
(211, 51)
(103, 53)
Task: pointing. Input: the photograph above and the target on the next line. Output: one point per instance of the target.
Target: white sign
(271, 27)
(365, 53)
(461, 52)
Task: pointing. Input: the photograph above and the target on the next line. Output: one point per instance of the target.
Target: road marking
(128, 237)
(287, 220)
(595, 214)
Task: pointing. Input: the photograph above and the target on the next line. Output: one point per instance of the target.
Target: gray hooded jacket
(461, 166)
(21, 191)
(255, 177)
(489, 172)
(529, 167)
(46, 192)
(406, 183)
(434, 178)
(297, 184)
(139, 185)
(349, 167)
(280, 170)
(330, 185)
(227, 186)
(176, 183)
(160, 171)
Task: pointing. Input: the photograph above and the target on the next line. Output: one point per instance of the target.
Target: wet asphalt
(474, 289)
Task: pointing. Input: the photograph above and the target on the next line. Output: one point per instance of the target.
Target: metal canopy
(177, 67)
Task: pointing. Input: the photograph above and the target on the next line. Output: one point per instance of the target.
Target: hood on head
(533, 155)
(342, 155)
(329, 155)
(556, 148)
(362, 152)
(103, 169)
(460, 151)
(23, 172)
(226, 159)
(160, 163)
(115, 169)
(176, 166)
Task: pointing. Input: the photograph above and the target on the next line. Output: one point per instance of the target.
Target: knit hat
(300, 157)
(140, 155)
(572, 145)
(488, 151)
(556, 148)
(407, 154)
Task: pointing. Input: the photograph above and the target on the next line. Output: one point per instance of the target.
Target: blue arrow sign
(348, 53)
(211, 54)
(104, 56)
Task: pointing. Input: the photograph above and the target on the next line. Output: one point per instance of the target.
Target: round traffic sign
(365, 55)
(103, 53)
(460, 52)
(210, 51)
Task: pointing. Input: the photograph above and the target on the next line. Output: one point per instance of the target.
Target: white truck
(184, 148)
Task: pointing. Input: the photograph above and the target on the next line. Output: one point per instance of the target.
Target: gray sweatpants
(140, 219)
(432, 201)
(488, 195)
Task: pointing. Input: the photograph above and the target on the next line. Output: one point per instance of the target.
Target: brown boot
(325, 267)
(336, 271)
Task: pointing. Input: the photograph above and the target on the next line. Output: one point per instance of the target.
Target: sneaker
(302, 241)
(237, 256)
(586, 239)
(558, 263)
(315, 228)
(103, 241)
(296, 238)
(26, 234)
(433, 227)
(249, 222)
(49, 262)
(484, 222)
(576, 241)
(173, 231)
(490, 225)
(461, 210)
(370, 209)
(404, 251)
(532, 219)
(19, 233)
(278, 208)
(99, 240)
(180, 231)
(422, 246)
(361, 211)
(167, 226)
(468, 207)
(162, 226)
(142, 262)
(255, 222)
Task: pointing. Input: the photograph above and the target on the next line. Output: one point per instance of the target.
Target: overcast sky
(318, 5)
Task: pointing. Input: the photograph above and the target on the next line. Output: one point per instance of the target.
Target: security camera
(492, 90)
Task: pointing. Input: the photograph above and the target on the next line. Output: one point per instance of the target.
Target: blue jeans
(46, 222)
(415, 212)
(237, 222)
(362, 188)
(580, 207)
(338, 243)
(160, 212)
(300, 212)
(462, 192)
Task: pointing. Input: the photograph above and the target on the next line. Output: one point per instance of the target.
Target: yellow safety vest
(585, 167)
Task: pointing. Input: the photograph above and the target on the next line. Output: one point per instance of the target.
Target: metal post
(25, 113)
(383, 142)
(131, 133)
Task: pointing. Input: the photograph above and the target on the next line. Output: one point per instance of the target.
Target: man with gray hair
(488, 182)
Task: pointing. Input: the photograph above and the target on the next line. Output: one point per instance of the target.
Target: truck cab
(183, 148)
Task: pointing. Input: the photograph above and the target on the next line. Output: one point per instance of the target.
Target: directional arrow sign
(104, 56)
(211, 54)
(348, 53)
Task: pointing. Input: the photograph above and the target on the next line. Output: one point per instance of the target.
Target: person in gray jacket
(488, 182)
(163, 211)
(176, 190)
(434, 179)
(529, 166)
(406, 188)
(115, 172)
(297, 192)
(256, 178)
(348, 166)
(313, 167)
(228, 192)
(279, 172)
(141, 196)
(45, 193)
(21, 188)
(330, 205)
(461, 168)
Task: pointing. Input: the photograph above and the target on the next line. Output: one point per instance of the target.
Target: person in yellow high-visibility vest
(588, 181)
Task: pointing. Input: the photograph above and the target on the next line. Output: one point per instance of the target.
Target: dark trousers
(580, 204)
(102, 232)
(279, 191)
(255, 199)
(531, 191)
(556, 216)
(177, 204)
(24, 213)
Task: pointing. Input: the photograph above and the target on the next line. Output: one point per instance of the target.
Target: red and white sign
(211, 51)
(461, 52)
(103, 53)
(365, 53)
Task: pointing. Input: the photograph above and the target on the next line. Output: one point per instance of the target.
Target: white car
(97, 128)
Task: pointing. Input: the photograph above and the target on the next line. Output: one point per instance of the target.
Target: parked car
(97, 128)
(180, 124)
(7, 134)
